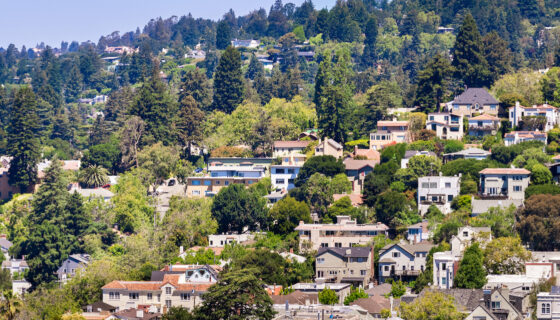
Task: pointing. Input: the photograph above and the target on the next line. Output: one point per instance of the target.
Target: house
(193, 272)
(418, 232)
(465, 300)
(329, 147)
(251, 44)
(310, 134)
(20, 287)
(137, 314)
(220, 240)
(94, 193)
(5, 246)
(403, 261)
(344, 233)
(548, 304)
(448, 126)
(439, 191)
(286, 149)
(368, 154)
(352, 265)
(413, 153)
(498, 304)
(275, 196)
(296, 298)
(71, 266)
(504, 183)
(470, 153)
(307, 55)
(283, 176)
(355, 199)
(220, 176)
(474, 100)
(515, 282)
(375, 305)
(483, 125)
(341, 289)
(389, 132)
(6, 189)
(15, 265)
(516, 137)
(554, 168)
(466, 235)
(357, 170)
(120, 50)
(518, 112)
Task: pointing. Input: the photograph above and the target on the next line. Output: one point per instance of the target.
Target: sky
(30, 22)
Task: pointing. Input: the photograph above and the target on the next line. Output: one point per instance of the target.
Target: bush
(540, 174)
(541, 189)
(453, 146)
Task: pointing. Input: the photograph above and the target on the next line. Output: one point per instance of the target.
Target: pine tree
(23, 142)
(471, 273)
(228, 81)
(368, 57)
(196, 84)
(223, 35)
(468, 55)
(74, 85)
(433, 84)
(255, 68)
(288, 52)
(498, 55)
(189, 122)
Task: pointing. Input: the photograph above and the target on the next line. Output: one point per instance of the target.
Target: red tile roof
(505, 171)
(370, 154)
(356, 199)
(485, 117)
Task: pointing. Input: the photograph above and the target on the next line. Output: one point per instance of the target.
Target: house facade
(283, 149)
(73, 264)
(357, 170)
(345, 233)
(548, 304)
(352, 265)
(474, 100)
(403, 261)
(439, 191)
(504, 183)
(284, 176)
(518, 112)
(483, 125)
(470, 153)
(329, 147)
(389, 132)
(15, 265)
(220, 240)
(516, 137)
(220, 176)
(448, 126)
(418, 232)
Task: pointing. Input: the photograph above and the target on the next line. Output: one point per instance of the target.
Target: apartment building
(474, 100)
(448, 126)
(439, 191)
(283, 176)
(220, 176)
(389, 132)
(516, 137)
(518, 112)
(403, 261)
(352, 265)
(345, 233)
(504, 183)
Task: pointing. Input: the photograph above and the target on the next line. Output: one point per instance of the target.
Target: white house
(283, 176)
(517, 112)
(448, 126)
(220, 240)
(516, 137)
(403, 261)
(251, 44)
(286, 149)
(484, 124)
(439, 191)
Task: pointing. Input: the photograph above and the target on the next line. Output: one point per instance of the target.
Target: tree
(327, 165)
(178, 313)
(497, 54)
(468, 55)
(287, 213)
(426, 277)
(22, 140)
(237, 295)
(328, 296)
(318, 193)
(158, 162)
(393, 209)
(266, 265)
(189, 122)
(541, 189)
(433, 84)
(235, 208)
(433, 305)
(505, 255)
(471, 273)
(368, 57)
(398, 289)
(355, 294)
(223, 35)
(380, 97)
(131, 204)
(538, 222)
(228, 81)
(540, 174)
(10, 306)
(93, 176)
(196, 84)
(255, 69)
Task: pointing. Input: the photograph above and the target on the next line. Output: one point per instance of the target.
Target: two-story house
(15, 265)
(283, 176)
(357, 170)
(518, 112)
(287, 149)
(220, 240)
(73, 264)
(329, 147)
(220, 176)
(448, 126)
(516, 137)
(345, 233)
(484, 124)
(352, 265)
(389, 132)
(497, 305)
(507, 183)
(474, 100)
(403, 261)
(548, 304)
(439, 191)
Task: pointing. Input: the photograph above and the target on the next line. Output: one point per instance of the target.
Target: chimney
(140, 313)
(181, 250)
(505, 291)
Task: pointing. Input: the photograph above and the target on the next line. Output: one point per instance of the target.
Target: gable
(396, 248)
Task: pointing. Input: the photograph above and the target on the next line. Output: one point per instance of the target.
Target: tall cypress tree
(23, 141)
(74, 85)
(468, 55)
(368, 57)
(189, 121)
(255, 69)
(228, 81)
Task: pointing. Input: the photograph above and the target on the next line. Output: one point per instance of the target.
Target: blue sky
(28, 22)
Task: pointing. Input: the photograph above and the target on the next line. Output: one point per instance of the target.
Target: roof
(379, 290)
(423, 246)
(82, 258)
(353, 252)
(5, 243)
(470, 152)
(352, 164)
(412, 153)
(343, 227)
(465, 299)
(391, 123)
(291, 144)
(333, 143)
(97, 192)
(370, 154)
(423, 225)
(485, 116)
(505, 171)
(131, 314)
(475, 95)
(172, 279)
(355, 199)
(373, 304)
(481, 206)
(488, 312)
(297, 297)
(526, 134)
(99, 306)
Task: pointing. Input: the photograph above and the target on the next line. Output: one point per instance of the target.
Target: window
(158, 297)
(517, 188)
(168, 303)
(444, 266)
(167, 290)
(320, 260)
(114, 295)
(433, 185)
(411, 268)
(195, 192)
(338, 245)
(279, 171)
(448, 184)
(396, 254)
(495, 305)
(363, 272)
(545, 308)
(443, 280)
(291, 171)
(386, 268)
(324, 245)
(425, 185)
(185, 296)
(351, 272)
(196, 182)
(279, 181)
(465, 233)
(449, 197)
(207, 182)
(226, 183)
(149, 296)
(133, 295)
(431, 118)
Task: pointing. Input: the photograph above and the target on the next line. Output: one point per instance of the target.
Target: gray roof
(470, 152)
(354, 251)
(82, 258)
(465, 299)
(5, 243)
(424, 246)
(411, 153)
(379, 290)
(97, 192)
(475, 95)
(480, 206)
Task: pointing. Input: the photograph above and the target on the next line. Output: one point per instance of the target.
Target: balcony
(406, 272)
(493, 196)
(429, 202)
(489, 127)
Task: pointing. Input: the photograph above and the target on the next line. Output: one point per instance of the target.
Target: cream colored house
(403, 261)
(498, 307)
(352, 265)
(345, 233)
(446, 125)
(504, 183)
(389, 132)
(329, 147)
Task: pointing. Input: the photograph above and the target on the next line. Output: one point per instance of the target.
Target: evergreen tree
(74, 85)
(368, 57)
(471, 273)
(433, 84)
(196, 84)
(468, 55)
(23, 142)
(288, 52)
(498, 55)
(228, 81)
(255, 68)
(223, 35)
(189, 122)
(277, 20)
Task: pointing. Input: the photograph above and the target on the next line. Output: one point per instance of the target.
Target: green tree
(398, 289)
(327, 165)
(380, 97)
(131, 204)
(93, 176)
(223, 35)
(189, 122)
(468, 55)
(158, 163)
(178, 313)
(433, 83)
(255, 69)
(10, 306)
(235, 208)
(237, 295)
(355, 294)
(196, 84)
(22, 140)
(540, 174)
(394, 209)
(537, 222)
(328, 296)
(433, 305)
(497, 54)
(368, 57)
(505, 255)
(471, 273)
(541, 189)
(228, 81)
(287, 213)
(344, 207)
(266, 265)
(74, 86)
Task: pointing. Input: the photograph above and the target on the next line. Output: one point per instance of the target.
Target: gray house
(71, 265)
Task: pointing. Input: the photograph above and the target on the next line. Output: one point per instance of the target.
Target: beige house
(467, 235)
(496, 306)
(329, 147)
(403, 261)
(474, 100)
(345, 233)
(289, 148)
(446, 125)
(388, 133)
(352, 265)
(504, 183)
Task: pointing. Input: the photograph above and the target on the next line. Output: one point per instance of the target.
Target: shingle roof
(470, 152)
(465, 299)
(505, 171)
(370, 154)
(423, 246)
(291, 144)
(352, 164)
(373, 304)
(5, 243)
(526, 134)
(391, 123)
(475, 95)
(411, 153)
(354, 251)
(379, 290)
(297, 297)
